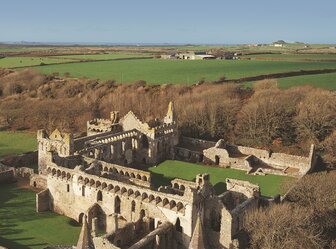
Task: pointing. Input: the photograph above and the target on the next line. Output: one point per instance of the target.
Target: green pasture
(326, 81)
(22, 228)
(12, 62)
(12, 143)
(158, 71)
(109, 56)
(168, 170)
(293, 57)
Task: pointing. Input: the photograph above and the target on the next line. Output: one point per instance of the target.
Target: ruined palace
(101, 181)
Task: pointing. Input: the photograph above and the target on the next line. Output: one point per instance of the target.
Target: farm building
(200, 55)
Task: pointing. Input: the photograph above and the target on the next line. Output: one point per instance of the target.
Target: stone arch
(53, 171)
(121, 172)
(132, 175)
(151, 198)
(48, 170)
(144, 178)
(182, 187)
(217, 160)
(130, 192)
(92, 182)
(106, 169)
(63, 174)
(104, 185)
(176, 186)
(86, 181)
(98, 184)
(158, 200)
(109, 187)
(179, 206)
(58, 173)
(80, 218)
(138, 177)
(126, 174)
(68, 175)
(172, 204)
(123, 190)
(144, 196)
(116, 189)
(165, 202)
(136, 194)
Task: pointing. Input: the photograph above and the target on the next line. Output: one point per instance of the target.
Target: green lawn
(16, 142)
(158, 71)
(168, 170)
(22, 228)
(11, 62)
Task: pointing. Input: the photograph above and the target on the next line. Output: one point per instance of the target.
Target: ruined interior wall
(197, 142)
(38, 181)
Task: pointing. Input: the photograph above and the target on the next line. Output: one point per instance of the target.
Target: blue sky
(170, 21)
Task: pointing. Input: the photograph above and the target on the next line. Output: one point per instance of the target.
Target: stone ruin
(101, 181)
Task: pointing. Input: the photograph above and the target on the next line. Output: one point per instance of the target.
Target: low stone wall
(7, 176)
(24, 160)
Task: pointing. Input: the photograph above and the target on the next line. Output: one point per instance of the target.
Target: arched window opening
(133, 206)
(178, 227)
(83, 190)
(99, 196)
(117, 205)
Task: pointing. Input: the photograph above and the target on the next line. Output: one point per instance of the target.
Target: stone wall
(42, 201)
(7, 176)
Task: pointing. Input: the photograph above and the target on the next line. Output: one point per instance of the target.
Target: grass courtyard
(165, 172)
(22, 228)
(13, 143)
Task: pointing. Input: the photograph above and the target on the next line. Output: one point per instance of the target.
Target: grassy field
(326, 81)
(109, 56)
(16, 142)
(157, 71)
(294, 57)
(22, 228)
(168, 170)
(11, 62)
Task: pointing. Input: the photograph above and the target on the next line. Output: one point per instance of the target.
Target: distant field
(16, 143)
(326, 81)
(293, 57)
(102, 56)
(168, 170)
(22, 228)
(10, 62)
(158, 71)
